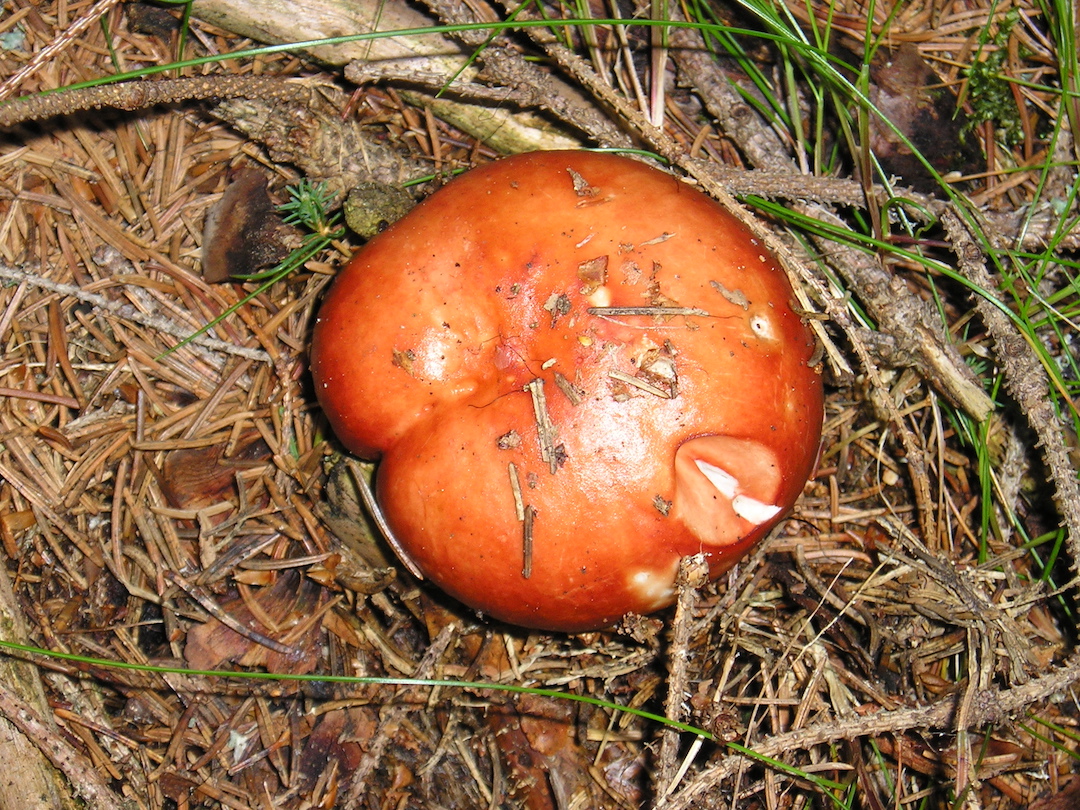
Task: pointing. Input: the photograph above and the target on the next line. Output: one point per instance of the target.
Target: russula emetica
(574, 370)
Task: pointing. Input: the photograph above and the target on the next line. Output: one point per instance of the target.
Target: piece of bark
(312, 136)
(243, 232)
(278, 21)
(1065, 799)
(197, 477)
(30, 781)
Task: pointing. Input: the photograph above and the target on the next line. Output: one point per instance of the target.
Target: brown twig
(530, 86)
(692, 575)
(655, 312)
(546, 433)
(908, 319)
(40, 396)
(527, 525)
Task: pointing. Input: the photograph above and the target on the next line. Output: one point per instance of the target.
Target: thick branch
(1026, 381)
(143, 94)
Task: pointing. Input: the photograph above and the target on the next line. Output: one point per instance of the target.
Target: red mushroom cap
(575, 370)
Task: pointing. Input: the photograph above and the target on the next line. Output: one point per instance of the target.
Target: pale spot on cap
(654, 588)
(762, 327)
(600, 297)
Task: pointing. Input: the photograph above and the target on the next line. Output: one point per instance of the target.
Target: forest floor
(173, 507)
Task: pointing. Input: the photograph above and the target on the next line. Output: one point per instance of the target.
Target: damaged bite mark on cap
(727, 488)
(653, 587)
(749, 509)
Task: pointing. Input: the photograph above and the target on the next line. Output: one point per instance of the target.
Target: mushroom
(574, 370)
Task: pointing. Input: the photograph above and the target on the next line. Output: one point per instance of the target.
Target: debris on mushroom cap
(575, 370)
